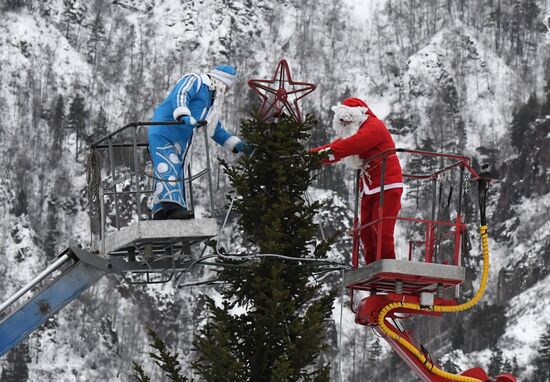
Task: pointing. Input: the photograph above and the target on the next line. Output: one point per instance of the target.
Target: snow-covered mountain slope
(456, 86)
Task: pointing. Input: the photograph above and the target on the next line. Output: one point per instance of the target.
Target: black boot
(159, 215)
(173, 211)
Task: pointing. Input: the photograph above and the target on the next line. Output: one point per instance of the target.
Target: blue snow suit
(168, 144)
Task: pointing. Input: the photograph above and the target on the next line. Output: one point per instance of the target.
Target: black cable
(482, 189)
(237, 256)
(205, 282)
(426, 354)
(450, 196)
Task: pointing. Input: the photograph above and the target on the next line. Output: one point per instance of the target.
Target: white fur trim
(376, 190)
(226, 78)
(328, 150)
(350, 113)
(181, 110)
(205, 79)
(230, 143)
(353, 161)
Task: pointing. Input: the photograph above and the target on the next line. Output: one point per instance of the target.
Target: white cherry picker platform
(124, 240)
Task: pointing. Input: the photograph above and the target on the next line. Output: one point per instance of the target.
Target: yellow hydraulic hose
(439, 308)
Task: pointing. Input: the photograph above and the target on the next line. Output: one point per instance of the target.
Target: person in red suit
(365, 136)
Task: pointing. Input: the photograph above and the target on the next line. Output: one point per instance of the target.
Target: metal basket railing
(436, 231)
(120, 179)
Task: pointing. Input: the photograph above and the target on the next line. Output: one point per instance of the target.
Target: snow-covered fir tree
(281, 328)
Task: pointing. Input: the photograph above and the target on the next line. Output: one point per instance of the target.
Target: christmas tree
(272, 325)
(167, 361)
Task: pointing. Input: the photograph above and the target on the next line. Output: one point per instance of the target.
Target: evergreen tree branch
(139, 373)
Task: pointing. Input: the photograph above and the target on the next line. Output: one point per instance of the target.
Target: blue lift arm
(76, 276)
(76, 269)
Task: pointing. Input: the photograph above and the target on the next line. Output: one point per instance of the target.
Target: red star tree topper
(281, 94)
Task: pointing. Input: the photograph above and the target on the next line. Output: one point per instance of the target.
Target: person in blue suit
(195, 98)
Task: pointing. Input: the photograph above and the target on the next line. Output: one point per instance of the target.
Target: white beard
(344, 130)
(215, 112)
(353, 118)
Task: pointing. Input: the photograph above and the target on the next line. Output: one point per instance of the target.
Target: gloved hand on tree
(325, 153)
(243, 147)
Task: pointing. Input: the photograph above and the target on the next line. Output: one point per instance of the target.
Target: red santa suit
(367, 136)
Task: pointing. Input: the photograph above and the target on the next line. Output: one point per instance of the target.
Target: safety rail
(60, 261)
(120, 175)
(434, 229)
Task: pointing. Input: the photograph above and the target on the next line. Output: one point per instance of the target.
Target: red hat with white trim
(357, 102)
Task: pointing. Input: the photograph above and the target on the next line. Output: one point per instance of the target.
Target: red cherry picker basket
(427, 282)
